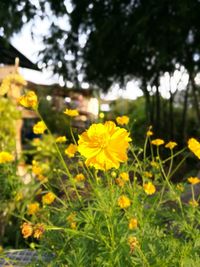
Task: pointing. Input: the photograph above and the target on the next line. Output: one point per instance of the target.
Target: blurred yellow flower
(149, 188)
(133, 243)
(37, 170)
(104, 145)
(39, 128)
(171, 145)
(193, 180)
(48, 198)
(124, 176)
(194, 146)
(154, 164)
(157, 142)
(29, 100)
(26, 229)
(101, 115)
(71, 150)
(61, 139)
(39, 229)
(180, 187)
(71, 112)
(122, 120)
(5, 157)
(113, 174)
(124, 202)
(73, 225)
(193, 203)
(19, 196)
(71, 217)
(148, 174)
(133, 223)
(10, 80)
(33, 208)
(79, 177)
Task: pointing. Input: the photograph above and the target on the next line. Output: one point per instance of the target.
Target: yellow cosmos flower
(124, 176)
(71, 150)
(39, 128)
(193, 180)
(194, 146)
(123, 120)
(26, 229)
(104, 145)
(133, 223)
(9, 81)
(171, 145)
(5, 157)
(193, 203)
(33, 208)
(157, 142)
(61, 139)
(79, 177)
(48, 198)
(71, 112)
(124, 202)
(149, 188)
(29, 100)
(38, 230)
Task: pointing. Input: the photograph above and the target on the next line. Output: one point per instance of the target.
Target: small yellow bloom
(79, 177)
(19, 196)
(73, 225)
(37, 170)
(133, 243)
(48, 198)
(10, 81)
(193, 203)
(113, 174)
(180, 187)
(61, 139)
(194, 146)
(101, 115)
(42, 178)
(33, 208)
(155, 164)
(71, 112)
(29, 100)
(71, 217)
(39, 128)
(123, 120)
(133, 223)
(71, 150)
(124, 176)
(171, 145)
(5, 157)
(124, 202)
(120, 182)
(157, 142)
(193, 180)
(104, 145)
(149, 188)
(38, 230)
(26, 229)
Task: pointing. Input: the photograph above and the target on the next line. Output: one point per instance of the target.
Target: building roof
(8, 53)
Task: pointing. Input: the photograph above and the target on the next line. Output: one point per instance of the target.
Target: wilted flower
(193, 180)
(48, 198)
(61, 139)
(71, 112)
(26, 229)
(194, 146)
(133, 242)
(122, 120)
(193, 203)
(5, 157)
(38, 230)
(171, 145)
(29, 100)
(104, 145)
(71, 150)
(133, 223)
(124, 202)
(119, 181)
(157, 142)
(149, 188)
(39, 128)
(33, 208)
